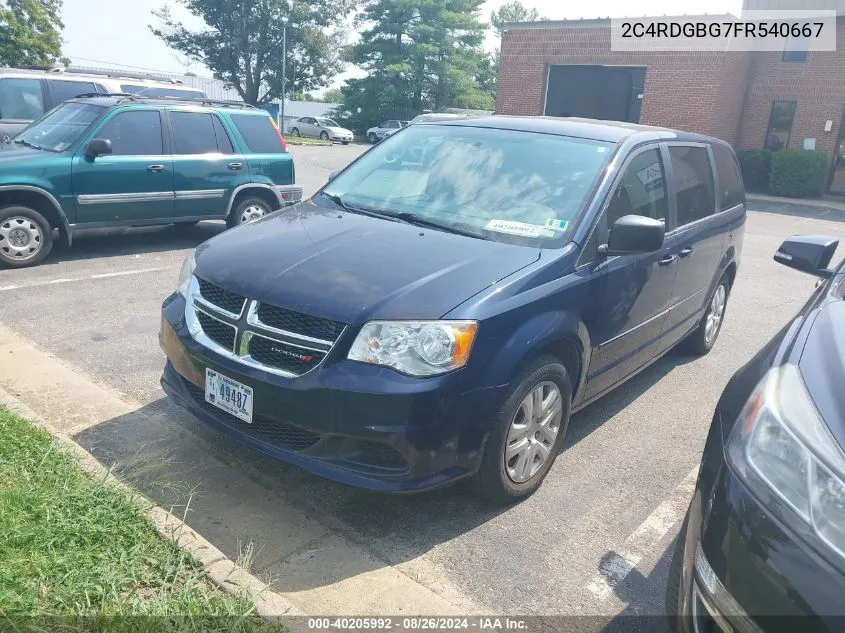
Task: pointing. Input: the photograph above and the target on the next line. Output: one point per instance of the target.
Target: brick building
(750, 99)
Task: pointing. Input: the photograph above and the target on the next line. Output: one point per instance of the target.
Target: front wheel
(324, 136)
(527, 432)
(26, 237)
(702, 340)
(248, 210)
(372, 138)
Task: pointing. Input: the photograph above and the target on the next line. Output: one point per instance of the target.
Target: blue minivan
(441, 307)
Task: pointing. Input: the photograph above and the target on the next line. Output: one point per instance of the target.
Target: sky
(117, 32)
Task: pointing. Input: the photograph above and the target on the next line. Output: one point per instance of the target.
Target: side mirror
(808, 253)
(98, 147)
(634, 234)
(333, 175)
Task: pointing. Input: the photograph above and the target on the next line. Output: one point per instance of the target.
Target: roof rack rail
(126, 96)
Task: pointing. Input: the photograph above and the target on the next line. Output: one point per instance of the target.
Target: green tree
(419, 55)
(332, 95)
(513, 11)
(31, 33)
(242, 43)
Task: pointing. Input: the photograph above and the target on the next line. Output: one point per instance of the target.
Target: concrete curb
(222, 571)
(827, 205)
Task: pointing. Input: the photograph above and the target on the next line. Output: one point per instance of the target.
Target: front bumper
(350, 422)
(748, 571)
(341, 138)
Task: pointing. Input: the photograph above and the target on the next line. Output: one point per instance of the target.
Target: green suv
(120, 160)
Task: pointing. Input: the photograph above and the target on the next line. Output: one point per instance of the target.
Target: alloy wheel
(20, 238)
(715, 313)
(533, 431)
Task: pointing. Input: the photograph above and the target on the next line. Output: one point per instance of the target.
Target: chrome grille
(221, 333)
(277, 340)
(291, 321)
(220, 297)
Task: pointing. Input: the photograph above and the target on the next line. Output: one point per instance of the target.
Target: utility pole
(284, 78)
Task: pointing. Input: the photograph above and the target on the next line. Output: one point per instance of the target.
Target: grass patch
(304, 140)
(78, 554)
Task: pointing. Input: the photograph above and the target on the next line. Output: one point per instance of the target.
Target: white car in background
(384, 129)
(321, 127)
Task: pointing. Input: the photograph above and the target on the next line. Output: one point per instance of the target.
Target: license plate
(227, 394)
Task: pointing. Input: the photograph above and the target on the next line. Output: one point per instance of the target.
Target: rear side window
(224, 143)
(259, 133)
(730, 183)
(64, 90)
(193, 133)
(134, 133)
(693, 181)
(21, 99)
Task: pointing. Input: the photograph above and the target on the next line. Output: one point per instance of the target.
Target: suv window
(134, 133)
(730, 183)
(224, 143)
(21, 99)
(259, 133)
(193, 133)
(641, 190)
(64, 90)
(693, 181)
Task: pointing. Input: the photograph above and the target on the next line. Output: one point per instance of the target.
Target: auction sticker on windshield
(519, 228)
(229, 395)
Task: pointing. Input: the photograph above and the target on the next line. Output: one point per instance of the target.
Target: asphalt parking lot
(612, 500)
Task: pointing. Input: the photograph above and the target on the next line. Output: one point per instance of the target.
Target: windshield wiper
(356, 209)
(418, 220)
(28, 144)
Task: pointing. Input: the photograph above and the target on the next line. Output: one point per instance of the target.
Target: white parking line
(618, 565)
(51, 282)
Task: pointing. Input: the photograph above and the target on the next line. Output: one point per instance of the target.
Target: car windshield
(327, 123)
(61, 127)
(501, 185)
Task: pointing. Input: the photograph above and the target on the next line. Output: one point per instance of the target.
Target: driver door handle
(686, 251)
(666, 260)
(155, 168)
(235, 166)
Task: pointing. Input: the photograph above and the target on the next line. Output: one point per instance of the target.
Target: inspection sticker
(519, 228)
(556, 225)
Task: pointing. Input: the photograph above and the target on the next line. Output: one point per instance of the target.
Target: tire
(324, 136)
(702, 340)
(26, 237)
(248, 210)
(294, 131)
(372, 138)
(495, 478)
(675, 581)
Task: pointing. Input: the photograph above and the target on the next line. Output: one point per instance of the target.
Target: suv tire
(702, 340)
(248, 210)
(502, 460)
(26, 237)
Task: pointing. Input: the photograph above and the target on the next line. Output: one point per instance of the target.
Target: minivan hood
(354, 268)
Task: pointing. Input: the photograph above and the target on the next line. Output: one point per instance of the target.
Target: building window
(796, 49)
(780, 125)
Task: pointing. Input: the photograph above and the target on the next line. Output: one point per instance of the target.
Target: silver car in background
(321, 127)
(384, 129)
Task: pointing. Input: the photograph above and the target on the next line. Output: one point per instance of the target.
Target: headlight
(781, 445)
(186, 273)
(418, 348)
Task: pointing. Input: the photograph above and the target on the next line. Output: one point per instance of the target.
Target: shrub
(755, 165)
(798, 173)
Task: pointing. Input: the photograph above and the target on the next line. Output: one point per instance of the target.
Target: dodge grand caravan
(440, 308)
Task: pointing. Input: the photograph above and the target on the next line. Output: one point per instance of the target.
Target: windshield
(500, 185)
(327, 123)
(61, 127)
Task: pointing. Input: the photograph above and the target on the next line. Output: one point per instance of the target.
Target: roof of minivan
(611, 131)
